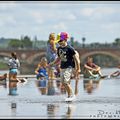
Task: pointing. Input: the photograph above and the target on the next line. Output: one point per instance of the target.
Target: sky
(96, 21)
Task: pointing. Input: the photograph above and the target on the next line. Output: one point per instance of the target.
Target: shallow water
(95, 99)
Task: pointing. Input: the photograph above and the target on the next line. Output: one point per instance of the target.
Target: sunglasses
(60, 41)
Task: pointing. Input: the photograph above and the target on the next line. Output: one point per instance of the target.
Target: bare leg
(68, 89)
(76, 86)
(115, 74)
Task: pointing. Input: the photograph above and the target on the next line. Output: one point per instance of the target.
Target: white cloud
(41, 17)
(87, 12)
(60, 26)
(111, 27)
(7, 19)
(105, 10)
(1, 23)
(38, 16)
(97, 13)
(71, 17)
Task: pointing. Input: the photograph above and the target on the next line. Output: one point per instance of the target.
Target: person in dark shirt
(68, 61)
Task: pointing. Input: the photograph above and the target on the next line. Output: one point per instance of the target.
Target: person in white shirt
(14, 65)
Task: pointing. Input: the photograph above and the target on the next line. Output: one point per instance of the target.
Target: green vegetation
(3, 66)
(25, 42)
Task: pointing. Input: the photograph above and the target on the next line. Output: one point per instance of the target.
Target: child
(41, 70)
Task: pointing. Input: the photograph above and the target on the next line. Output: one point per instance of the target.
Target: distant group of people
(62, 60)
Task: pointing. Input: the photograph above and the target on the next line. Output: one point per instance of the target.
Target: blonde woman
(52, 55)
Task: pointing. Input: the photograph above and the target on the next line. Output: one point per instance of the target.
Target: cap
(63, 36)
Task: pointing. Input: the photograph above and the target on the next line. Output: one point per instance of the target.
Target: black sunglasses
(60, 41)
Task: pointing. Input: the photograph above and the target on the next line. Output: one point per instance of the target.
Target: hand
(50, 64)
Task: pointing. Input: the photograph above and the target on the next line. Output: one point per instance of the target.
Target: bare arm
(88, 67)
(55, 61)
(53, 46)
(97, 68)
(36, 70)
(77, 63)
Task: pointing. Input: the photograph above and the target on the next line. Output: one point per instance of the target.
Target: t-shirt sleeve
(72, 51)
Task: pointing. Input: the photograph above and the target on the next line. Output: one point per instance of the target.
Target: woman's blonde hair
(43, 61)
(51, 36)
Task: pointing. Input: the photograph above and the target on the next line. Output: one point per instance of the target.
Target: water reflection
(90, 85)
(3, 83)
(50, 87)
(70, 109)
(13, 108)
(53, 89)
(13, 88)
(76, 87)
(52, 109)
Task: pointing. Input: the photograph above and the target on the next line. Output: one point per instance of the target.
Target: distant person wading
(14, 65)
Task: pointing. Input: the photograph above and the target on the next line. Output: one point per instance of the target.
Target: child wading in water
(68, 61)
(41, 70)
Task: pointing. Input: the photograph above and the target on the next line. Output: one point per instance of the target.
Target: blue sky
(96, 21)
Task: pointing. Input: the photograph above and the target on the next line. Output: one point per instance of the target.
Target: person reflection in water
(52, 109)
(70, 110)
(51, 87)
(91, 85)
(13, 88)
